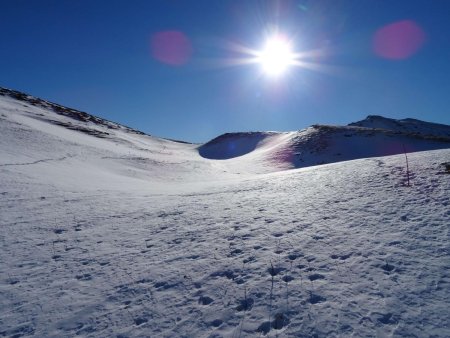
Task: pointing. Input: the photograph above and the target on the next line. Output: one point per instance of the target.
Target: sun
(276, 56)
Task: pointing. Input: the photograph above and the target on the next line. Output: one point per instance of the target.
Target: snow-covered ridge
(67, 112)
(407, 125)
(321, 144)
(74, 115)
(328, 144)
(228, 154)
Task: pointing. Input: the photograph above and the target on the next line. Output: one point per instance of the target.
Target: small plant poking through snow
(407, 165)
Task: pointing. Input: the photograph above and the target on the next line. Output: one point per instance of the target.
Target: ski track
(34, 162)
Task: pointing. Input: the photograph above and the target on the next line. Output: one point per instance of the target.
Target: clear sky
(182, 69)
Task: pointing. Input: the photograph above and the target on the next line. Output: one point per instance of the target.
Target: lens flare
(171, 47)
(398, 40)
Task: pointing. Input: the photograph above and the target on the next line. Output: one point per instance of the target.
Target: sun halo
(276, 56)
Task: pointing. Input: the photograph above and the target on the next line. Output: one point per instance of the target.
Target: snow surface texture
(106, 232)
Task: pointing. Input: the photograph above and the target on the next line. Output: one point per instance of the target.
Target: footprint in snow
(388, 267)
(314, 299)
(224, 273)
(287, 279)
(394, 243)
(217, 322)
(205, 300)
(264, 328)
(249, 259)
(245, 304)
(140, 320)
(294, 256)
(342, 257)
(316, 276)
(84, 277)
(235, 252)
(273, 271)
(386, 318)
(279, 322)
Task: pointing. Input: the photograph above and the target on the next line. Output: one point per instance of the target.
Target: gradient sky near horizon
(176, 68)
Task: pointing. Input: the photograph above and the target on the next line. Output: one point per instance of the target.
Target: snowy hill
(321, 144)
(108, 232)
(107, 154)
(404, 126)
(258, 152)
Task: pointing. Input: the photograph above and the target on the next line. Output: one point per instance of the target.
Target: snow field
(338, 250)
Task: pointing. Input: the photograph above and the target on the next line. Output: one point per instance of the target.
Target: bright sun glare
(276, 56)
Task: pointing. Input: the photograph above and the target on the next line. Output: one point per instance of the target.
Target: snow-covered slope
(122, 151)
(106, 154)
(321, 144)
(404, 125)
(106, 232)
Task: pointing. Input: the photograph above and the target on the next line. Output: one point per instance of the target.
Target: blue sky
(101, 57)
